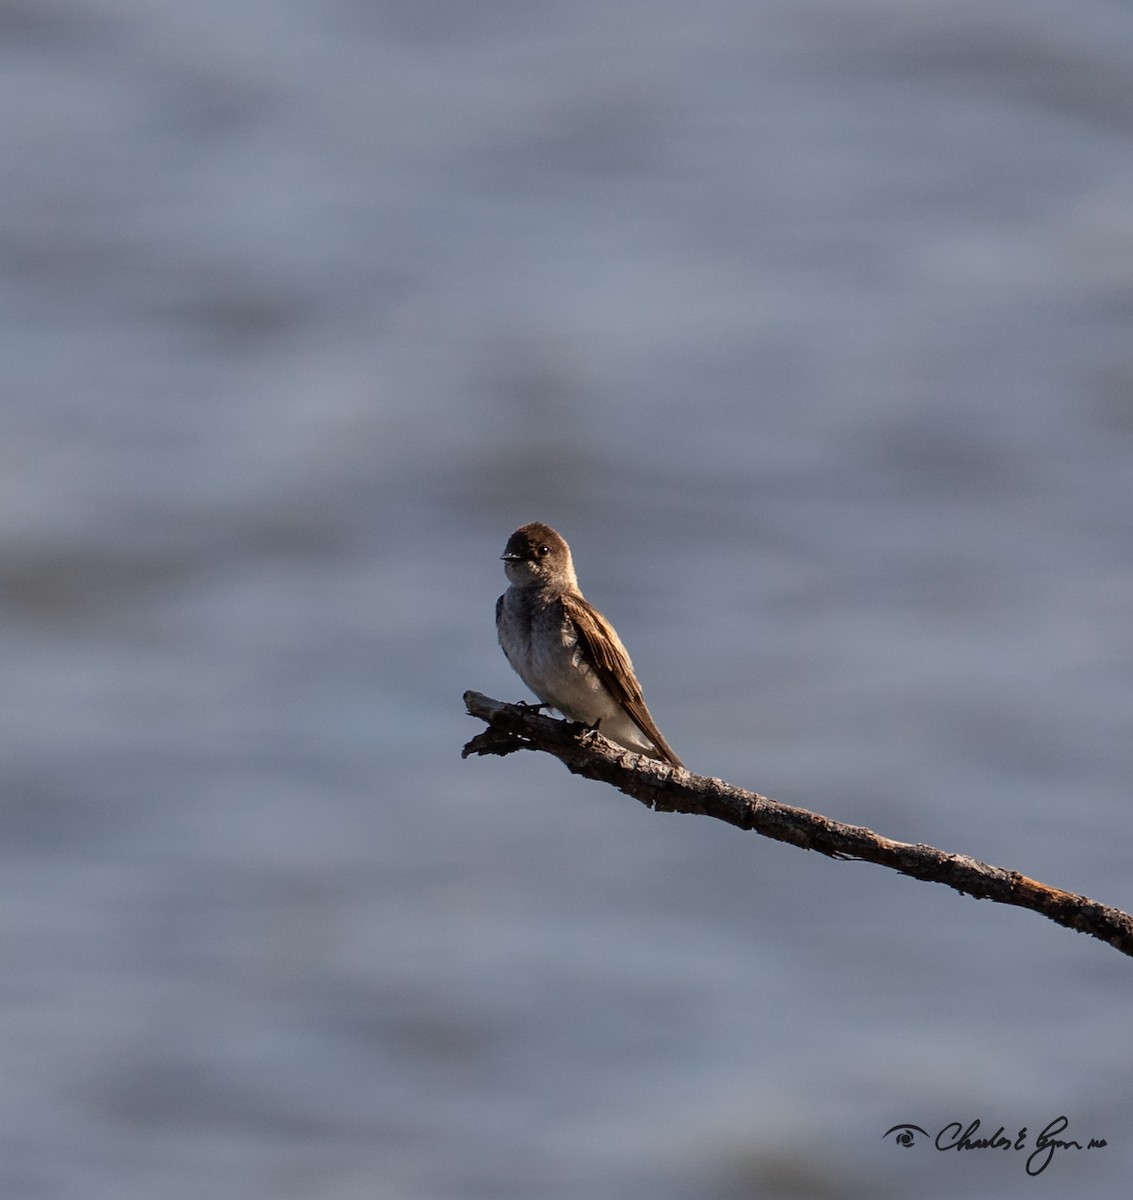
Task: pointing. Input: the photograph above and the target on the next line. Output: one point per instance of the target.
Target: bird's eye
(543, 551)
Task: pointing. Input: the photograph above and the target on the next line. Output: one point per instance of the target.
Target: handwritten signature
(956, 1136)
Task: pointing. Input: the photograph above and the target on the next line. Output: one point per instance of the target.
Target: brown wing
(605, 653)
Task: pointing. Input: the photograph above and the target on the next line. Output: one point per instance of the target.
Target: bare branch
(664, 788)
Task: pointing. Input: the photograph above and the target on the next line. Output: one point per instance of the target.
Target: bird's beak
(511, 557)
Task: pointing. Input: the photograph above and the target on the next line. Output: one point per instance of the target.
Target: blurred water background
(808, 324)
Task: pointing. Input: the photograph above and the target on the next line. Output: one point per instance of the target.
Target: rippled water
(808, 325)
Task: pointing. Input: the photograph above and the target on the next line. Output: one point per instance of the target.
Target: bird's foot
(590, 732)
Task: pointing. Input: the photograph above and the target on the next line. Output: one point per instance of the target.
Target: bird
(562, 647)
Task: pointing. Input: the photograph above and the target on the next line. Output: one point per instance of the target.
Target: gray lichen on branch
(512, 727)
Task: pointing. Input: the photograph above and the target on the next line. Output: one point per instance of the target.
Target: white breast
(542, 647)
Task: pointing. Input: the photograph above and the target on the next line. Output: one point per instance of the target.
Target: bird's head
(536, 556)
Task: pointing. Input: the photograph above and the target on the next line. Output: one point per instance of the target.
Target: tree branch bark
(658, 786)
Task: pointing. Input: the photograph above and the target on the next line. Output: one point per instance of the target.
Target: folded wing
(605, 653)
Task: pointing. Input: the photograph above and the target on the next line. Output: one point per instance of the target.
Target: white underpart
(554, 669)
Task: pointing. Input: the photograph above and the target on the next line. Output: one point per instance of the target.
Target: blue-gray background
(808, 323)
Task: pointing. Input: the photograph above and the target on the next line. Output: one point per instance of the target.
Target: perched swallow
(562, 647)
